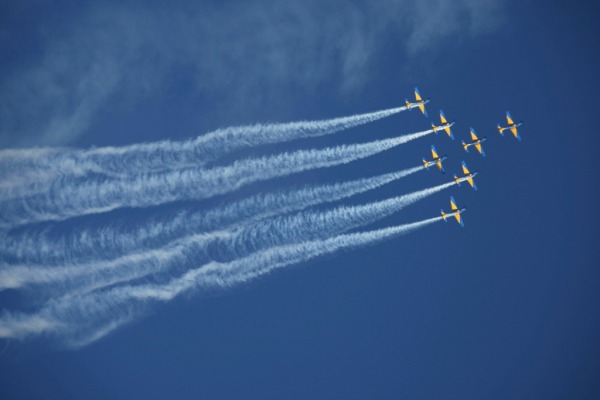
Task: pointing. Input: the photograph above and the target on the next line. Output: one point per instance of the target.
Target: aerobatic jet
(467, 176)
(418, 103)
(475, 141)
(454, 213)
(437, 160)
(511, 125)
(445, 125)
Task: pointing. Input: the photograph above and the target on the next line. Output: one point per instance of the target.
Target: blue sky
(505, 308)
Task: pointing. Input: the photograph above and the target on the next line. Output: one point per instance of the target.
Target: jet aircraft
(511, 125)
(418, 103)
(454, 213)
(445, 125)
(437, 160)
(475, 141)
(467, 176)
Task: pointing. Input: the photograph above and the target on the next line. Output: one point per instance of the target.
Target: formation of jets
(475, 141)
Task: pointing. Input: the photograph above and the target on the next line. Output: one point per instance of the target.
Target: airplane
(511, 125)
(454, 213)
(475, 141)
(437, 161)
(445, 125)
(419, 102)
(467, 176)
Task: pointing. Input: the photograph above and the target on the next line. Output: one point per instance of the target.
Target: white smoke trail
(30, 171)
(81, 319)
(269, 233)
(48, 247)
(66, 200)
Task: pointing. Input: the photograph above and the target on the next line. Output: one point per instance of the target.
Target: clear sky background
(507, 307)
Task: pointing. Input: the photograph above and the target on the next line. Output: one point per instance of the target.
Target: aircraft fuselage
(434, 162)
(465, 178)
(445, 215)
(442, 127)
(478, 141)
(511, 126)
(417, 103)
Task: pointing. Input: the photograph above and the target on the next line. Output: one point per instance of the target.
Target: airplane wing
(443, 118)
(418, 95)
(440, 167)
(509, 119)
(453, 204)
(480, 149)
(434, 153)
(472, 183)
(474, 136)
(515, 133)
(459, 219)
(465, 169)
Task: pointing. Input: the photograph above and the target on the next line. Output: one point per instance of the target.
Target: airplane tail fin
(456, 180)
(500, 130)
(407, 103)
(465, 146)
(425, 164)
(444, 216)
(435, 128)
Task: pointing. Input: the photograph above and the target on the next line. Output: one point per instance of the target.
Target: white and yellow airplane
(418, 103)
(454, 213)
(437, 160)
(511, 125)
(445, 125)
(475, 141)
(467, 176)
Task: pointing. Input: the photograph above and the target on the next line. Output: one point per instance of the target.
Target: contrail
(79, 320)
(66, 200)
(41, 165)
(303, 226)
(49, 247)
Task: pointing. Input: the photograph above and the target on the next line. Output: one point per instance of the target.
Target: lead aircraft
(511, 125)
(467, 176)
(454, 213)
(437, 160)
(418, 103)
